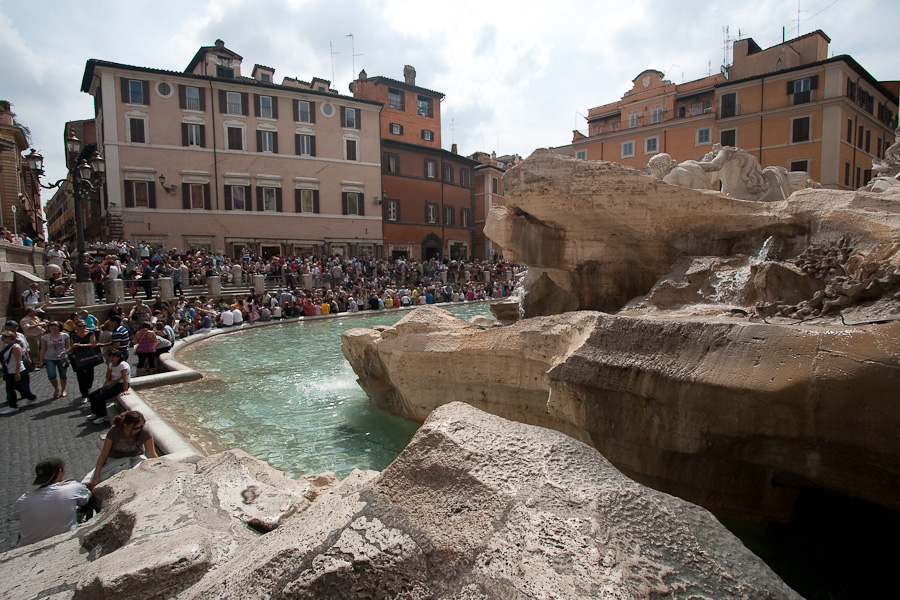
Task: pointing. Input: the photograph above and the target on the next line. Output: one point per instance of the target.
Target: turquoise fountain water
(285, 395)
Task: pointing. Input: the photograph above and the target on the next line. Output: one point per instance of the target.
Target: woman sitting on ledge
(127, 445)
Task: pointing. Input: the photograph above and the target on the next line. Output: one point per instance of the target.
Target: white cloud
(515, 75)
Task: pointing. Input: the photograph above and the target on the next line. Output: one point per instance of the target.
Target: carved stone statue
(690, 173)
(888, 169)
(737, 171)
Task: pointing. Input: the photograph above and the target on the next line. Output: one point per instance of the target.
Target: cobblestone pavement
(45, 428)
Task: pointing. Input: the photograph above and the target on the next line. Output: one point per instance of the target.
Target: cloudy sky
(517, 75)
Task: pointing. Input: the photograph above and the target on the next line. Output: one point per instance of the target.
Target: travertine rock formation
(732, 415)
(597, 235)
(163, 526)
(476, 507)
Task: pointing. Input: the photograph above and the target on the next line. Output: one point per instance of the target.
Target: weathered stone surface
(735, 416)
(162, 527)
(596, 234)
(475, 507)
(480, 507)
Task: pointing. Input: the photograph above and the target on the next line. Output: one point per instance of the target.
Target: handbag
(86, 359)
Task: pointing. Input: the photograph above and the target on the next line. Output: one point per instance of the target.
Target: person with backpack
(15, 375)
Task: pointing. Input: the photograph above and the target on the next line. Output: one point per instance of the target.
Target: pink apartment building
(207, 158)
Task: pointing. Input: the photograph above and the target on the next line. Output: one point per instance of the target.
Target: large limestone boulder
(596, 234)
(475, 507)
(734, 415)
(481, 507)
(162, 527)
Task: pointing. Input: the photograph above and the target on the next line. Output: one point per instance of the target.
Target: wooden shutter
(182, 96)
(184, 134)
(248, 198)
(274, 107)
(228, 197)
(259, 147)
(151, 194)
(278, 204)
(315, 201)
(203, 136)
(312, 112)
(814, 82)
(257, 109)
(223, 101)
(129, 194)
(297, 143)
(426, 211)
(185, 196)
(145, 85)
(207, 200)
(343, 203)
(298, 201)
(126, 97)
(790, 87)
(358, 119)
(361, 204)
(275, 142)
(397, 208)
(259, 199)
(343, 117)
(245, 99)
(296, 105)
(202, 95)
(312, 145)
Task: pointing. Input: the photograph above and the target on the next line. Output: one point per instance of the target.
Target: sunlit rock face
(597, 235)
(748, 350)
(475, 507)
(732, 415)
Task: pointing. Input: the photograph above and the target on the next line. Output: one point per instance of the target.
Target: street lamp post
(86, 174)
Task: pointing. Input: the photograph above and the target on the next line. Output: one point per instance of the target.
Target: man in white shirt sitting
(50, 509)
(226, 318)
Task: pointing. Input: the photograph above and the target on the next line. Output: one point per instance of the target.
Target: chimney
(220, 44)
(453, 148)
(409, 75)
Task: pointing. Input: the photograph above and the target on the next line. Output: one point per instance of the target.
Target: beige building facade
(207, 158)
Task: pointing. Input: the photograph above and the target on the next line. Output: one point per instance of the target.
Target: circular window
(327, 110)
(163, 89)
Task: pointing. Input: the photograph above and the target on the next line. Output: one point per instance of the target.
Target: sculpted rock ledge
(475, 507)
(734, 416)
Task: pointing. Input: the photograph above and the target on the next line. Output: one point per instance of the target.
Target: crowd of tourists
(306, 285)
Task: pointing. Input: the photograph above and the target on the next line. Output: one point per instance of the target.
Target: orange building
(489, 192)
(788, 105)
(427, 204)
(20, 195)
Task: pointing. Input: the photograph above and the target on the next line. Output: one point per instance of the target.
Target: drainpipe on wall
(215, 151)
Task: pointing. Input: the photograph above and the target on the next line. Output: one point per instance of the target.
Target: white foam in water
(285, 394)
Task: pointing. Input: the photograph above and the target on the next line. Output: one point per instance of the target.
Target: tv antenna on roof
(353, 54)
(331, 48)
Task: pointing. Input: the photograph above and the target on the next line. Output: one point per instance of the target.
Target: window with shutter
(800, 130)
(352, 150)
(137, 130)
(235, 138)
(197, 197)
(233, 103)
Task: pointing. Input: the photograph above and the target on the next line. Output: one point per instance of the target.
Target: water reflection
(285, 395)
